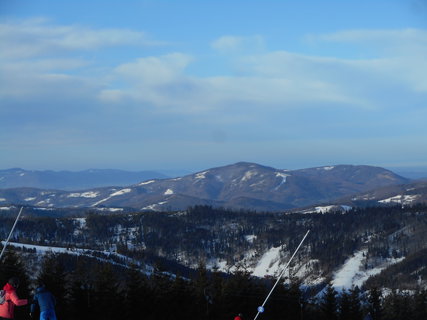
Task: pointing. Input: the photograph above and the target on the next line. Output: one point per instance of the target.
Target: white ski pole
(261, 308)
(10, 234)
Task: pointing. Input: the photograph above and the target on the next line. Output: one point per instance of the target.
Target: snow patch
(154, 206)
(250, 238)
(44, 202)
(120, 192)
(146, 182)
(365, 197)
(326, 209)
(328, 168)
(115, 194)
(269, 263)
(248, 175)
(110, 209)
(403, 199)
(345, 277)
(168, 192)
(89, 194)
(283, 176)
(5, 208)
(30, 199)
(201, 175)
(221, 265)
(81, 222)
(305, 271)
(2, 199)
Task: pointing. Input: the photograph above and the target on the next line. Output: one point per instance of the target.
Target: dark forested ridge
(180, 240)
(87, 289)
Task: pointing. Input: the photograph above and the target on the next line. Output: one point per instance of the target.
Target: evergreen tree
(240, 294)
(80, 293)
(161, 284)
(217, 284)
(106, 299)
(397, 307)
(138, 295)
(278, 304)
(375, 304)
(181, 301)
(329, 303)
(201, 291)
(355, 304)
(295, 300)
(344, 306)
(284, 302)
(420, 305)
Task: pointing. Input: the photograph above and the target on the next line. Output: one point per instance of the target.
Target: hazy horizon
(411, 172)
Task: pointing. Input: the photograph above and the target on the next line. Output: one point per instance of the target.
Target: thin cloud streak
(37, 37)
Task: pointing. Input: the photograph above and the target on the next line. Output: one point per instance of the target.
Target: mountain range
(73, 180)
(239, 186)
(379, 242)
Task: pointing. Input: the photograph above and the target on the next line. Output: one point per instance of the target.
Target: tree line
(88, 289)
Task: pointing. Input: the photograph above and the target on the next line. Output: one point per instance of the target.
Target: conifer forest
(179, 245)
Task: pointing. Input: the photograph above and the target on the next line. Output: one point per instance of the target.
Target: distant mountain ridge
(406, 194)
(240, 185)
(72, 180)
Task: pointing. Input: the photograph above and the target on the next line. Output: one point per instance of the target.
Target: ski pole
(10, 234)
(261, 308)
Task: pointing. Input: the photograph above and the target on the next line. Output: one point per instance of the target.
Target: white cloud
(382, 37)
(275, 80)
(42, 65)
(157, 80)
(175, 92)
(227, 43)
(155, 70)
(36, 37)
(381, 43)
(233, 44)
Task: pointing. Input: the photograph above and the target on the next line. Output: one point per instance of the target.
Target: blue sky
(190, 85)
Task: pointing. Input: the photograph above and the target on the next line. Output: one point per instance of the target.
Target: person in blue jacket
(46, 301)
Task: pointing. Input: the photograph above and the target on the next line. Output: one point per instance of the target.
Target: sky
(191, 85)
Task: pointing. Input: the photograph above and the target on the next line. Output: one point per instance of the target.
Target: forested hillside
(87, 289)
(228, 240)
